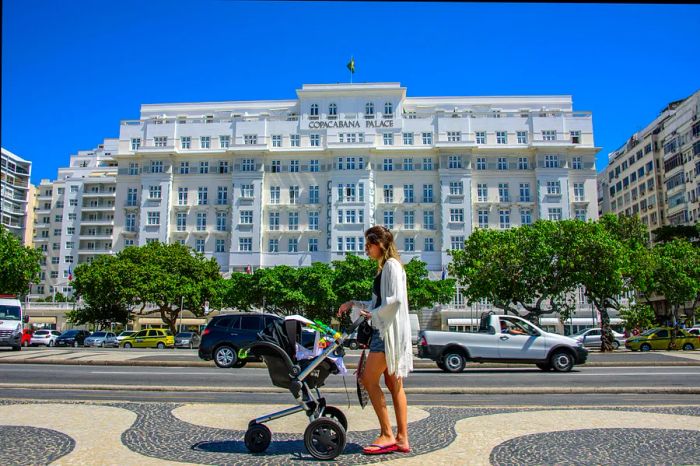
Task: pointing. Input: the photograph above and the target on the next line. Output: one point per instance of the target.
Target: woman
(391, 352)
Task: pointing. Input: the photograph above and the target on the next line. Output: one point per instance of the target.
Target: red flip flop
(379, 449)
(403, 449)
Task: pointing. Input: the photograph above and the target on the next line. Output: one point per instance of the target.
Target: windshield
(578, 334)
(9, 312)
(650, 331)
(70, 333)
(98, 334)
(126, 334)
(184, 334)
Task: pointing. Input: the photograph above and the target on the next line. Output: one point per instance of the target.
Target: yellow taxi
(149, 338)
(660, 338)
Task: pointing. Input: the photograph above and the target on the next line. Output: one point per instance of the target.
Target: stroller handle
(355, 324)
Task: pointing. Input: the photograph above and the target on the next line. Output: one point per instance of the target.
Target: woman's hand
(345, 307)
(365, 313)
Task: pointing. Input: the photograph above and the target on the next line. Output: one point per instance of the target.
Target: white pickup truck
(501, 338)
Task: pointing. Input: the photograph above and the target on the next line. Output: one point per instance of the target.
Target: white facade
(15, 190)
(74, 217)
(297, 181)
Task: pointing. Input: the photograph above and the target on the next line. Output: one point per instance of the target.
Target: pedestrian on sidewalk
(390, 349)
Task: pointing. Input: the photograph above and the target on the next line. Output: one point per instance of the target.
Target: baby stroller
(325, 436)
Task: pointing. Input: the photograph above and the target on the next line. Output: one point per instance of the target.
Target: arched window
(388, 109)
(333, 109)
(314, 110)
(369, 109)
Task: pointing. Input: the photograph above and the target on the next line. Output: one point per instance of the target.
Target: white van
(11, 320)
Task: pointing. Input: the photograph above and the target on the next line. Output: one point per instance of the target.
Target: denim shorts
(376, 344)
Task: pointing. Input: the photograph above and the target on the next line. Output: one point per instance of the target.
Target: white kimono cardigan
(391, 319)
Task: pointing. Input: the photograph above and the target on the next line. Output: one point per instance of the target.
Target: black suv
(227, 333)
(72, 338)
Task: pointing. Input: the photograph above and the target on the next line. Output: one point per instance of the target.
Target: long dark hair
(382, 237)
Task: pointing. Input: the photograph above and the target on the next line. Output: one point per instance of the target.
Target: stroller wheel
(324, 438)
(334, 413)
(257, 438)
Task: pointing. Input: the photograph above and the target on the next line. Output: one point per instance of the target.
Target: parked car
(187, 340)
(44, 337)
(694, 331)
(102, 339)
(591, 337)
(73, 338)
(124, 334)
(351, 341)
(26, 337)
(226, 334)
(149, 338)
(659, 338)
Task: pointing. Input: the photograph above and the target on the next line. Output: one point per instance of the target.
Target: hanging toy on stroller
(279, 345)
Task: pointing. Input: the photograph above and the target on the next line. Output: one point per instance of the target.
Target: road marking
(160, 373)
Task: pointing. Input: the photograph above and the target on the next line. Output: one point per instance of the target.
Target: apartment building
(655, 173)
(74, 217)
(16, 201)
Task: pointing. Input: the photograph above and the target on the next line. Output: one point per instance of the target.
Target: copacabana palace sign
(351, 124)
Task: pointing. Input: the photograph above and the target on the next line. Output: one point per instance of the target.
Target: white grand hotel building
(263, 183)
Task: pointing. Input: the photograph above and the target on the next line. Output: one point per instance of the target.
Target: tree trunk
(673, 343)
(606, 336)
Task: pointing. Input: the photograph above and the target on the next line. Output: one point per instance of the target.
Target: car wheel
(645, 347)
(353, 345)
(441, 365)
(191, 346)
(562, 361)
(544, 366)
(160, 345)
(615, 345)
(75, 344)
(17, 348)
(51, 343)
(688, 347)
(453, 362)
(25, 344)
(127, 345)
(225, 357)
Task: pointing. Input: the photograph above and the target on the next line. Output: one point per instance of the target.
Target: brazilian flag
(351, 65)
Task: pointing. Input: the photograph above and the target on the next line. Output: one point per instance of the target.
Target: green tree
(19, 265)
(638, 315)
(423, 292)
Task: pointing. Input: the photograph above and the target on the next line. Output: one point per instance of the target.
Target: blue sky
(72, 69)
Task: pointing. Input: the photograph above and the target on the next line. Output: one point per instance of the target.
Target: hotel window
(131, 196)
(221, 220)
(184, 168)
(133, 168)
(350, 216)
(250, 139)
(154, 192)
(409, 244)
(481, 163)
(245, 244)
(575, 137)
(205, 142)
(408, 194)
(428, 220)
(549, 135)
(274, 221)
(186, 142)
(274, 194)
(220, 245)
(273, 245)
(522, 137)
(576, 164)
(202, 195)
(313, 195)
(313, 111)
(293, 221)
(456, 215)
(369, 110)
(156, 166)
(276, 166)
(68, 260)
(201, 221)
(225, 142)
(524, 192)
(554, 213)
(203, 167)
(388, 110)
(483, 218)
(294, 194)
(457, 242)
(313, 166)
(293, 245)
(135, 143)
(409, 220)
(350, 243)
(70, 230)
(182, 196)
(407, 139)
(130, 224)
(503, 194)
(247, 191)
(56, 260)
(153, 218)
(502, 163)
(456, 188)
(523, 163)
(427, 193)
(553, 187)
(223, 167)
(481, 192)
(315, 140)
(581, 214)
(313, 221)
(332, 111)
(454, 161)
(389, 219)
(408, 164)
(429, 245)
(551, 161)
(526, 217)
(209, 119)
(427, 138)
(388, 165)
(388, 139)
(160, 141)
(247, 165)
(578, 192)
(294, 140)
(504, 219)
(427, 163)
(481, 137)
(388, 193)
(313, 244)
(454, 136)
(501, 137)
(222, 195)
(276, 140)
(246, 217)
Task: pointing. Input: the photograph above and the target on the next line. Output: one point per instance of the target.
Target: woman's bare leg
(398, 396)
(374, 368)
